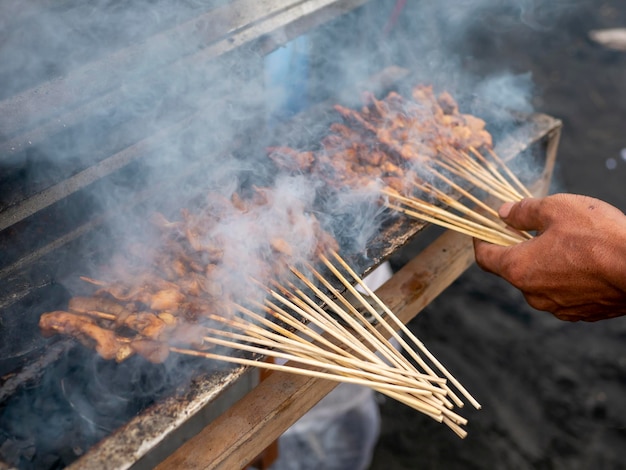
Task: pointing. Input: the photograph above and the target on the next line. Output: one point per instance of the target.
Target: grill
(131, 113)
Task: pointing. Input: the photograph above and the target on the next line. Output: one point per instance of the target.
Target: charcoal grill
(52, 224)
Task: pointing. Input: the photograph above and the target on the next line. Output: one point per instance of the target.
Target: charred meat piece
(84, 329)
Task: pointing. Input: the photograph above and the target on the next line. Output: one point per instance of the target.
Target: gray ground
(553, 393)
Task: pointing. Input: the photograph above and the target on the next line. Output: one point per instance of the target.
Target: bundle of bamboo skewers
(493, 178)
(354, 348)
(307, 321)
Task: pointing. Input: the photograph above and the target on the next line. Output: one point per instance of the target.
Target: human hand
(575, 267)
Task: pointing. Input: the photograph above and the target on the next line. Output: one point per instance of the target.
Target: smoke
(137, 87)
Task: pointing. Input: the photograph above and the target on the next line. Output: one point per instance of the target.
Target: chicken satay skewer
(286, 346)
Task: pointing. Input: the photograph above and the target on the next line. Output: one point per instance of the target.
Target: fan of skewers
(305, 312)
(425, 159)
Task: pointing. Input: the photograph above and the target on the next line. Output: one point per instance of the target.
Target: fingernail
(505, 210)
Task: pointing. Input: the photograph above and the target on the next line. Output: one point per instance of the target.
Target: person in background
(575, 266)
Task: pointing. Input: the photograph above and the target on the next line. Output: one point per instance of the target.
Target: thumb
(523, 215)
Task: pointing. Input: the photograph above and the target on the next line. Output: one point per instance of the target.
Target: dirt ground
(552, 392)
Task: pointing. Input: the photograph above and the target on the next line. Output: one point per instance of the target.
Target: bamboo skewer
(403, 380)
(322, 318)
(379, 379)
(456, 169)
(455, 204)
(474, 168)
(328, 323)
(508, 171)
(281, 353)
(441, 397)
(488, 170)
(372, 336)
(282, 315)
(433, 220)
(373, 357)
(401, 361)
(384, 344)
(300, 345)
(392, 331)
(424, 407)
(340, 370)
(406, 331)
(494, 171)
(464, 193)
(460, 226)
(409, 399)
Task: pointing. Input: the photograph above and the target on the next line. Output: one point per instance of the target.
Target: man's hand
(575, 266)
